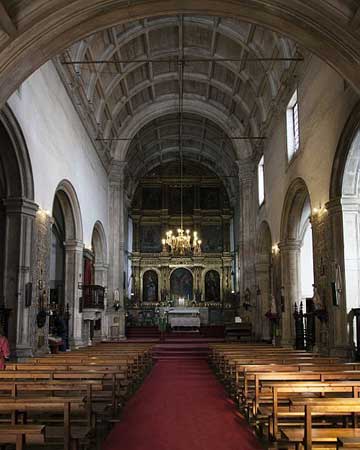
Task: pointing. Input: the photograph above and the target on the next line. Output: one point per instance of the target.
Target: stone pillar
(41, 251)
(338, 329)
(73, 276)
(290, 273)
(262, 325)
(100, 278)
(247, 227)
(20, 214)
(117, 246)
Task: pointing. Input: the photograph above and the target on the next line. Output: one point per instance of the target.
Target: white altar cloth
(183, 311)
(185, 321)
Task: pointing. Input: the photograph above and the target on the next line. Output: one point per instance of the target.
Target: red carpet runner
(181, 406)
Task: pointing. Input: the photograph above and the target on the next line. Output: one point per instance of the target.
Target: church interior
(179, 224)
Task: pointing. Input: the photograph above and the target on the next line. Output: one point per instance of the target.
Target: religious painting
(150, 286)
(211, 236)
(181, 284)
(209, 198)
(175, 200)
(212, 286)
(150, 238)
(151, 198)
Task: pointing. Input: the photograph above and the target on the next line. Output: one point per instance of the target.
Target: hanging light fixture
(183, 243)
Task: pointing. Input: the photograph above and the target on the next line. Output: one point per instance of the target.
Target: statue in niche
(150, 286)
(181, 284)
(212, 286)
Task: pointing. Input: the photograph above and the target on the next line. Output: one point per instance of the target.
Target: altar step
(142, 333)
(171, 351)
(208, 333)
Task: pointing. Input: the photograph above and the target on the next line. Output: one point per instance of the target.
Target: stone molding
(74, 245)
(246, 170)
(20, 205)
(117, 172)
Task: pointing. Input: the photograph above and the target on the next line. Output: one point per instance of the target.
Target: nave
(180, 395)
(181, 406)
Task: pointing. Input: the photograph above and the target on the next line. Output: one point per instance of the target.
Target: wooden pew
(308, 435)
(20, 435)
(292, 393)
(66, 405)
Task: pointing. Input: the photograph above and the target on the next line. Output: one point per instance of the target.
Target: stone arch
(345, 145)
(346, 185)
(15, 157)
(99, 243)
(67, 198)
(17, 213)
(71, 208)
(328, 35)
(263, 267)
(291, 220)
(295, 223)
(99, 247)
(344, 210)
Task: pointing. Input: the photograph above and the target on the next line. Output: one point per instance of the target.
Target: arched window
(261, 181)
(292, 125)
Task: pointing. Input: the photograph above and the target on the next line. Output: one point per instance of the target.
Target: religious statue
(318, 303)
(247, 299)
(117, 304)
(212, 286)
(150, 286)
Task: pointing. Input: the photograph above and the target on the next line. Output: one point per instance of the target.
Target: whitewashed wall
(60, 148)
(324, 107)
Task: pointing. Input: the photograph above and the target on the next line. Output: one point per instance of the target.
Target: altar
(179, 317)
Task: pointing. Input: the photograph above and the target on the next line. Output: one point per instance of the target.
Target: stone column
(100, 278)
(117, 221)
(37, 337)
(73, 276)
(262, 325)
(247, 227)
(290, 273)
(20, 214)
(338, 329)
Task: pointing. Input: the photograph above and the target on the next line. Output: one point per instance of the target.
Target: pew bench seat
(320, 435)
(21, 434)
(348, 442)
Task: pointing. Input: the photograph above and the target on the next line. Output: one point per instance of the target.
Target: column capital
(20, 205)
(101, 266)
(117, 171)
(246, 169)
(74, 245)
(289, 245)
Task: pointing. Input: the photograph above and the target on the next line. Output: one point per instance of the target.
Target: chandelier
(183, 243)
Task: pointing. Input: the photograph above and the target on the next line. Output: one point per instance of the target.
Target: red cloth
(87, 272)
(4, 351)
(181, 406)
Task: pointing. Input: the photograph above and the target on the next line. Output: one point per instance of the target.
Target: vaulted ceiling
(126, 83)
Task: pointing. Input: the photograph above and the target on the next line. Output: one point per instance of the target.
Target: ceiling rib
(6, 22)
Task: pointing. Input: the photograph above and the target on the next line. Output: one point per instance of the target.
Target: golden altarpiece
(202, 279)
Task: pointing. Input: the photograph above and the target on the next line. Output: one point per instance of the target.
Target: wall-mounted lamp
(80, 283)
(43, 214)
(275, 249)
(319, 210)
